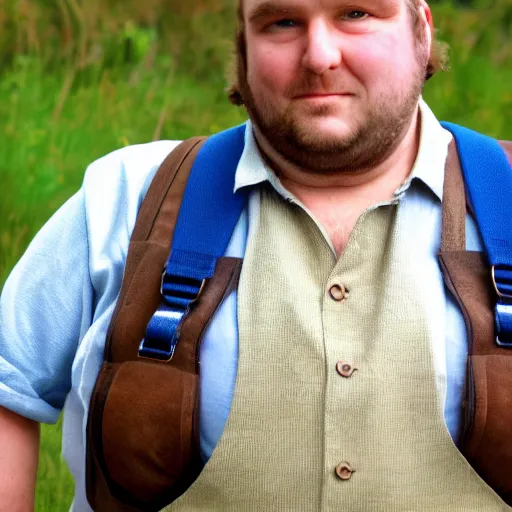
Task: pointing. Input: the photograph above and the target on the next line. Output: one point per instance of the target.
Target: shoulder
(127, 170)
(467, 137)
(115, 185)
(113, 190)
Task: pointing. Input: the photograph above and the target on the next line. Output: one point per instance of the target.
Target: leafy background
(80, 78)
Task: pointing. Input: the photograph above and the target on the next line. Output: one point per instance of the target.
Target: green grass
(55, 487)
(55, 123)
(45, 151)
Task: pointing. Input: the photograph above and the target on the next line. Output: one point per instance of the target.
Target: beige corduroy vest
(335, 405)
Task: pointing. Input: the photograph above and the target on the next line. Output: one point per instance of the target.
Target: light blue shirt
(57, 303)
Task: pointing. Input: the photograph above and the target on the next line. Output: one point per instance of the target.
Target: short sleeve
(45, 305)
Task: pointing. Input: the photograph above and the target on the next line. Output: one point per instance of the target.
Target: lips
(321, 95)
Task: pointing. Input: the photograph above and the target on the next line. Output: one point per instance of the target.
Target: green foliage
(55, 486)
(109, 33)
(81, 78)
(476, 92)
(52, 131)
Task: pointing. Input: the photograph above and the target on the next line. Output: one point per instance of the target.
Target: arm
(19, 439)
(42, 309)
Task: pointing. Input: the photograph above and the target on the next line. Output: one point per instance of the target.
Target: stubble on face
(382, 124)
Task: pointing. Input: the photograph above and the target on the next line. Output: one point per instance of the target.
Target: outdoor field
(79, 79)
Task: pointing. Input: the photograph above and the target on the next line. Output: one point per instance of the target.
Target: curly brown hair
(237, 67)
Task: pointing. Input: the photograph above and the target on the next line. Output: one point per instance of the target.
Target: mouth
(321, 95)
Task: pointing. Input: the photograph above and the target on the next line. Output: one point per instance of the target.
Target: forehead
(251, 7)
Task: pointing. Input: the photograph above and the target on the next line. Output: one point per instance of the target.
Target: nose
(322, 49)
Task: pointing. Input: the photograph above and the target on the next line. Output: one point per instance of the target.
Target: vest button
(344, 471)
(338, 292)
(345, 369)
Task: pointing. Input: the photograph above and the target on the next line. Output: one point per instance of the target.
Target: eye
(284, 23)
(355, 15)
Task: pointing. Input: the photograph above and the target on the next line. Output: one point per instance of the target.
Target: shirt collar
(432, 153)
(428, 166)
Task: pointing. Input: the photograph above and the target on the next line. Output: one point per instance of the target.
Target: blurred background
(80, 78)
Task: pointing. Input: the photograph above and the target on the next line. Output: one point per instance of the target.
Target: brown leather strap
(453, 234)
(150, 240)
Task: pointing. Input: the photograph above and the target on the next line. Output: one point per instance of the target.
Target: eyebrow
(267, 9)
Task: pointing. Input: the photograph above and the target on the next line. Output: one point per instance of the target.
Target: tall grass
(45, 146)
(82, 78)
(107, 33)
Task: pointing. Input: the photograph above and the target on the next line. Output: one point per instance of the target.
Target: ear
(428, 21)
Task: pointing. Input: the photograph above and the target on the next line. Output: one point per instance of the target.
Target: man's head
(332, 84)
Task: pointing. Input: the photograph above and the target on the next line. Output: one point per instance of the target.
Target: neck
(386, 176)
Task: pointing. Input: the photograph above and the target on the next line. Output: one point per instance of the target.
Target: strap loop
(503, 314)
(180, 291)
(178, 294)
(502, 281)
(159, 345)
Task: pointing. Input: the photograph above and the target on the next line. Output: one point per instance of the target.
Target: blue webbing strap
(488, 178)
(208, 215)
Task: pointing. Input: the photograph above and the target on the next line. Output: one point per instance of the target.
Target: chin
(331, 129)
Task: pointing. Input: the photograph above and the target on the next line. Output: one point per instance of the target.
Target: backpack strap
(208, 215)
(153, 233)
(488, 177)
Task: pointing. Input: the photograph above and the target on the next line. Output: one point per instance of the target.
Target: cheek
(271, 70)
(379, 60)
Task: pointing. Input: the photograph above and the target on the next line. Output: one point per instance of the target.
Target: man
(348, 354)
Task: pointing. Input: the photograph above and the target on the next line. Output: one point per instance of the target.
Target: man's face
(333, 84)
